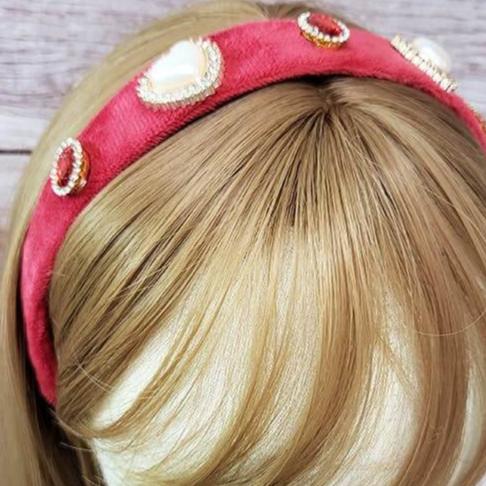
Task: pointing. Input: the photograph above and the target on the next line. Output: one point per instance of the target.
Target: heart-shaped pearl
(188, 72)
(182, 65)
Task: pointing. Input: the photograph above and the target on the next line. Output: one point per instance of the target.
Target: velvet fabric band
(256, 54)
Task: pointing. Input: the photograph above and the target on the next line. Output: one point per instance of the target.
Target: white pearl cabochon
(434, 53)
(182, 65)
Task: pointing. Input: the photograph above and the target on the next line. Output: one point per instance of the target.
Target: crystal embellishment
(323, 30)
(190, 71)
(69, 171)
(429, 57)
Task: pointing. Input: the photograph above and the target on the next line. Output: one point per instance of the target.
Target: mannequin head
(295, 297)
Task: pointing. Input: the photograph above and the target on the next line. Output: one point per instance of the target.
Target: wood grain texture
(11, 167)
(50, 44)
(46, 46)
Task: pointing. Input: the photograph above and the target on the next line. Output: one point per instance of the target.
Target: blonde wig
(313, 258)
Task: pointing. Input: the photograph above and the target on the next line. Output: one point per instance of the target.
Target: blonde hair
(314, 240)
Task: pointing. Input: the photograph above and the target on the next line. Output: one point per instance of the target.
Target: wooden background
(47, 45)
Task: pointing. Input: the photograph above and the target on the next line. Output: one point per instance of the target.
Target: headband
(189, 80)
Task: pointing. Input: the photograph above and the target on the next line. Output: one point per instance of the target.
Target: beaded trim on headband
(428, 57)
(186, 82)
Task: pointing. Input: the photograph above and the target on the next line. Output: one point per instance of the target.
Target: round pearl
(433, 52)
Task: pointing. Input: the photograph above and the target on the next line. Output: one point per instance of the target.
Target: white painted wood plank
(50, 44)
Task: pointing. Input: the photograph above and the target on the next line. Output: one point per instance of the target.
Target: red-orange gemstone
(65, 165)
(325, 24)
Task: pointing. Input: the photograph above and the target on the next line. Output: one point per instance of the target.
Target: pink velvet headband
(188, 81)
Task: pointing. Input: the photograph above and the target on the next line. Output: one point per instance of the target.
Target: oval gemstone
(325, 24)
(64, 166)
